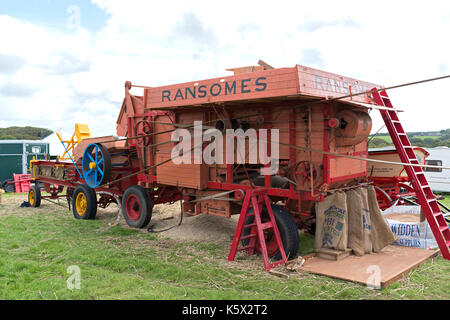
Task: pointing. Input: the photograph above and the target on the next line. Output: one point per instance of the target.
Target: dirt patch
(203, 228)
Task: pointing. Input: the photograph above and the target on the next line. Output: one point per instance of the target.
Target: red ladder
(258, 199)
(419, 182)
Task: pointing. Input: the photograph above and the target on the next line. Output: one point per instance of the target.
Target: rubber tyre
(137, 207)
(90, 202)
(9, 187)
(287, 228)
(34, 196)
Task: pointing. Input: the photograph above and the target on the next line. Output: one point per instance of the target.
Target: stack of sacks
(352, 220)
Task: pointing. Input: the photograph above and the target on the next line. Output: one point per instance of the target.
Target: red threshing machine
(322, 123)
(390, 180)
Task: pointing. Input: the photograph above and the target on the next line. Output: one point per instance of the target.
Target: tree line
(24, 133)
(418, 139)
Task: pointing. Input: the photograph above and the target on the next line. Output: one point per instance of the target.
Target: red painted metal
(326, 144)
(133, 207)
(425, 196)
(22, 182)
(258, 198)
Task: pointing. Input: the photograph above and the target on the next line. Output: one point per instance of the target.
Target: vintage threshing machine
(322, 123)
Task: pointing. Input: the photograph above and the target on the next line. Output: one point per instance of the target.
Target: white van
(439, 179)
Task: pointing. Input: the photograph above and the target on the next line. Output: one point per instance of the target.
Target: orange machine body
(271, 99)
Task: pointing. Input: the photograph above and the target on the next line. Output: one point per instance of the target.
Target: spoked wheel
(288, 232)
(34, 196)
(384, 199)
(137, 207)
(96, 165)
(84, 203)
(143, 129)
(303, 174)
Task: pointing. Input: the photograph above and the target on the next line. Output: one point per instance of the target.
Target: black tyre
(137, 207)
(9, 187)
(34, 196)
(84, 203)
(288, 232)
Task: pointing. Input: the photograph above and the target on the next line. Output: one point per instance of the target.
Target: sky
(63, 62)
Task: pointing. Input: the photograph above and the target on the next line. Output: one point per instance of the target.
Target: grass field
(38, 245)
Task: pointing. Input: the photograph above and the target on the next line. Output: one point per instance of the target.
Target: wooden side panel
(214, 207)
(319, 83)
(160, 126)
(386, 170)
(183, 175)
(343, 167)
(301, 140)
(280, 121)
(255, 85)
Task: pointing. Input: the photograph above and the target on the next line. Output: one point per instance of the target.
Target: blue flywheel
(96, 165)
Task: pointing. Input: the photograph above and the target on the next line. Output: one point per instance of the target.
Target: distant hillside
(429, 139)
(24, 133)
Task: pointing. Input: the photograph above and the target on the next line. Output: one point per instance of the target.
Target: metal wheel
(384, 200)
(34, 196)
(137, 207)
(9, 187)
(84, 203)
(96, 165)
(302, 173)
(143, 128)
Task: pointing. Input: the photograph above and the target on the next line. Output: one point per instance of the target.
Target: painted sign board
(296, 81)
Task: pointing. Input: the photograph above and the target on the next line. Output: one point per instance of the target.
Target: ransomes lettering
(215, 89)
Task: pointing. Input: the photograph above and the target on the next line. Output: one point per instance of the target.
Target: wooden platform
(392, 263)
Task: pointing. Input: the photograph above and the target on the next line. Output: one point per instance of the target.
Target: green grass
(385, 138)
(37, 246)
(389, 140)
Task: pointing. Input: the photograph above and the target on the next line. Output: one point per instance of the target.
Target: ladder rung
(249, 225)
(276, 263)
(447, 243)
(248, 236)
(266, 225)
(443, 228)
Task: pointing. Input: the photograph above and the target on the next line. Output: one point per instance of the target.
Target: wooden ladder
(258, 198)
(425, 196)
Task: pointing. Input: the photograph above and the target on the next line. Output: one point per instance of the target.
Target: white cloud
(78, 75)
